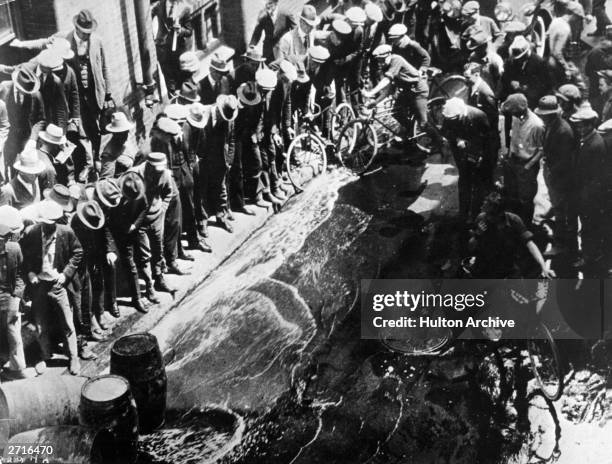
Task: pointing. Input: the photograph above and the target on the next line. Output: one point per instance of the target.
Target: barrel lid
(105, 388)
(135, 344)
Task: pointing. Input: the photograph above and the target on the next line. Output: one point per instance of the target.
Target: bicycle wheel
(546, 364)
(357, 145)
(343, 114)
(450, 86)
(306, 158)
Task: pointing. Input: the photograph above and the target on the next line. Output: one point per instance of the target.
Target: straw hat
(373, 12)
(49, 212)
(454, 107)
(266, 79)
(227, 106)
(51, 59)
(158, 160)
(189, 62)
(53, 135)
(90, 214)
(189, 92)
(356, 15)
(176, 112)
(63, 47)
(198, 115)
(119, 123)
(397, 30)
(248, 94)
(10, 220)
(219, 64)
(309, 15)
(169, 126)
(29, 162)
(318, 53)
(25, 80)
(60, 194)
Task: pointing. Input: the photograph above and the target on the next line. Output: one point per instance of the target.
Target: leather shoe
(185, 257)
(201, 245)
(230, 215)
(203, 229)
(244, 210)
(151, 296)
(224, 224)
(100, 320)
(139, 306)
(261, 203)
(114, 311)
(280, 194)
(161, 286)
(174, 269)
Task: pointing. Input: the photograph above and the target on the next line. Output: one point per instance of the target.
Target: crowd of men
(79, 197)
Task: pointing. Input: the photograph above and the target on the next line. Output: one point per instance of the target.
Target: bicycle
(361, 139)
(307, 154)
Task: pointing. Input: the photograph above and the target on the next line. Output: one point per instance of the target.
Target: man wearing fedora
(24, 107)
(592, 173)
(272, 24)
(119, 153)
(159, 192)
(296, 42)
(11, 293)
(174, 36)
(194, 147)
(180, 215)
(90, 65)
(559, 149)
(481, 96)
(220, 143)
(491, 64)
(217, 82)
(188, 93)
(23, 189)
(60, 164)
(86, 224)
(60, 194)
(124, 223)
(247, 147)
(51, 257)
(252, 62)
(190, 67)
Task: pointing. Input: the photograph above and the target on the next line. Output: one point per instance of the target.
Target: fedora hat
(108, 192)
(90, 214)
(198, 115)
(248, 94)
(10, 220)
(189, 62)
(51, 59)
(584, 113)
(219, 64)
(85, 22)
(119, 123)
(25, 80)
(63, 47)
(29, 162)
(309, 15)
(132, 186)
(227, 106)
(60, 194)
(253, 55)
(189, 92)
(49, 212)
(53, 134)
(548, 104)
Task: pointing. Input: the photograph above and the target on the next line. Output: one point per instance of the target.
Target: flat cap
(397, 30)
(382, 50)
(341, 27)
(569, 92)
(318, 53)
(470, 7)
(169, 126)
(356, 15)
(373, 12)
(514, 103)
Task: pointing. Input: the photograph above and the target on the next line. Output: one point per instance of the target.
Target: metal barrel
(107, 404)
(43, 401)
(137, 357)
(63, 444)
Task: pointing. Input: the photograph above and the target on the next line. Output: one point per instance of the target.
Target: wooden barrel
(137, 357)
(107, 403)
(64, 444)
(39, 402)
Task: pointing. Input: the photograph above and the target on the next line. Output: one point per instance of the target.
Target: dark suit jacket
(271, 30)
(220, 143)
(484, 99)
(68, 251)
(96, 243)
(473, 128)
(61, 98)
(532, 75)
(165, 32)
(26, 119)
(209, 95)
(14, 265)
(560, 148)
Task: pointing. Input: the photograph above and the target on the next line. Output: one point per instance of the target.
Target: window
(7, 30)
(211, 23)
